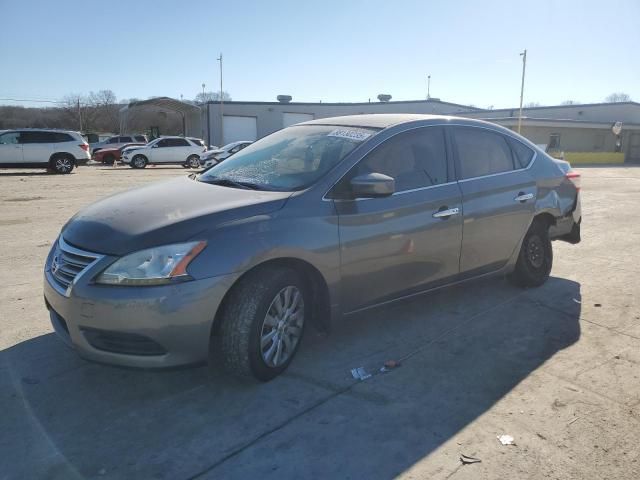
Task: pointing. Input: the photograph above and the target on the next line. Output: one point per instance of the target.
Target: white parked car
(213, 157)
(164, 150)
(56, 150)
(118, 141)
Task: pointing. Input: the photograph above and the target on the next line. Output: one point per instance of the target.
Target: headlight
(153, 266)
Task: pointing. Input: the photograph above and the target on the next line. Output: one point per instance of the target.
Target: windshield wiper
(227, 182)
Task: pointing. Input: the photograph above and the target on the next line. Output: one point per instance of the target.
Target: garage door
(293, 118)
(239, 128)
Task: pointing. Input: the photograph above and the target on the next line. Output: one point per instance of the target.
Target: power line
(29, 100)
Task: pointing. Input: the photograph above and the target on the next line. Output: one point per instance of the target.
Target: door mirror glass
(372, 185)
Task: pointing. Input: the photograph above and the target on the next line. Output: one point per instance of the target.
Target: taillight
(574, 177)
(84, 147)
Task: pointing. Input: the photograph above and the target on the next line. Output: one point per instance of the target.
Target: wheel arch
(318, 286)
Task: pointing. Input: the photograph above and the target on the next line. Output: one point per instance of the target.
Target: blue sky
(348, 50)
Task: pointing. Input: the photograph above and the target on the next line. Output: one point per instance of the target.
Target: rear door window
(178, 142)
(37, 137)
(481, 152)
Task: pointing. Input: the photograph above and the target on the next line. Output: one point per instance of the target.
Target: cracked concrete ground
(557, 368)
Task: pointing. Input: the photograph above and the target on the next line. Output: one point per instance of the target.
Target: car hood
(162, 213)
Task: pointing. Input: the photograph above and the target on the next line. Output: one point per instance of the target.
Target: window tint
(125, 139)
(36, 137)
(177, 142)
(413, 159)
(113, 140)
(10, 138)
(140, 138)
(521, 153)
(163, 143)
(481, 152)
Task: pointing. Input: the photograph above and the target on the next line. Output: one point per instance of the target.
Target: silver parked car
(306, 225)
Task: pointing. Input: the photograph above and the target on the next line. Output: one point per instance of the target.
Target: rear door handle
(444, 214)
(523, 197)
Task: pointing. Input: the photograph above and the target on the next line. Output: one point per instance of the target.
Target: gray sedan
(310, 224)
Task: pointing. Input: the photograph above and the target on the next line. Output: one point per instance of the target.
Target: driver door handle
(444, 214)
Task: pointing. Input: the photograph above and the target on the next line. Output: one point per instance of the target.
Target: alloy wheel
(282, 327)
(63, 165)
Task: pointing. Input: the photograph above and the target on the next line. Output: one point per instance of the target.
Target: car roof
(384, 120)
(59, 130)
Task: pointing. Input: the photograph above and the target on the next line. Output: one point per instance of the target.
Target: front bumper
(158, 326)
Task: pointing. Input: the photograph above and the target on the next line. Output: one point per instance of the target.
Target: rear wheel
(193, 162)
(62, 164)
(139, 161)
(262, 323)
(536, 257)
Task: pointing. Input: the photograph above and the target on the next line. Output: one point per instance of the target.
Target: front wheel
(262, 323)
(535, 260)
(139, 161)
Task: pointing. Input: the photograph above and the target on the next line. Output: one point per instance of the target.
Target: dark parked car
(306, 225)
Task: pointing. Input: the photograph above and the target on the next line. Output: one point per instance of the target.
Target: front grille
(67, 262)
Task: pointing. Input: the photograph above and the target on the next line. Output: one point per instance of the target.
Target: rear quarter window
(522, 155)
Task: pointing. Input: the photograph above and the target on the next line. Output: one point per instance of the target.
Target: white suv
(55, 150)
(164, 150)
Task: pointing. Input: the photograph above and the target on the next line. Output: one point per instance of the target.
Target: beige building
(573, 129)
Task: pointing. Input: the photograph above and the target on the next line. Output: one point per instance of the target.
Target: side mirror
(155, 145)
(372, 185)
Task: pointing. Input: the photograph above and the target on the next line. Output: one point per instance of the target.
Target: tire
(62, 164)
(139, 161)
(535, 258)
(250, 315)
(193, 162)
(109, 159)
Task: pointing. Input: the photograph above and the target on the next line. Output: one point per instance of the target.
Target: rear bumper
(567, 227)
(148, 327)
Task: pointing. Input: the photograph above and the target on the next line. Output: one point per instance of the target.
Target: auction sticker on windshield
(350, 133)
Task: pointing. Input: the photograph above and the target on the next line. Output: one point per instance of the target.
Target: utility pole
(524, 66)
(79, 114)
(428, 87)
(221, 104)
(203, 99)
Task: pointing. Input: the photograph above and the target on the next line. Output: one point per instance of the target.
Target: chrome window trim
(531, 162)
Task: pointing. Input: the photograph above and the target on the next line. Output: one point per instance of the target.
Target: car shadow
(30, 173)
(461, 351)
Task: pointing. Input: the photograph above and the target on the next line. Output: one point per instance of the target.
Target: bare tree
(75, 107)
(532, 104)
(204, 97)
(570, 102)
(617, 97)
(105, 109)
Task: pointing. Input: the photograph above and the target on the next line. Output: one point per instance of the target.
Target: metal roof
(164, 102)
